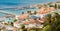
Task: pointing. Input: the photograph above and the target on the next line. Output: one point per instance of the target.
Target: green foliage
(29, 12)
(47, 28)
(11, 23)
(52, 22)
(25, 29)
(58, 28)
(15, 20)
(48, 19)
(35, 12)
(38, 29)
(33, 29)
(23, 26)
(48, 16)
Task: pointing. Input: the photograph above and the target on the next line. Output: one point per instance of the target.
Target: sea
(5, 4)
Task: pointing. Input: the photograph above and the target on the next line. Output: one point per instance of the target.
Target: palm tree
(55, 6)
(29, 12)
(35, 12)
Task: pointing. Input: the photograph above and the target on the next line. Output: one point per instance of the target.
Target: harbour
(29, 15)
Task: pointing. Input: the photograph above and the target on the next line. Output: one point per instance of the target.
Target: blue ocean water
(1, 14)
(15, 3)
(18, 12)
(22, 2)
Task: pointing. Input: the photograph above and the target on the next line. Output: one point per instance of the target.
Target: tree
(35, 12)
(48, 19)
(47, 28)
(15, 20)
(33, 29)
(53, 22)
(12, 23)
(22, 26)
(29, 12)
